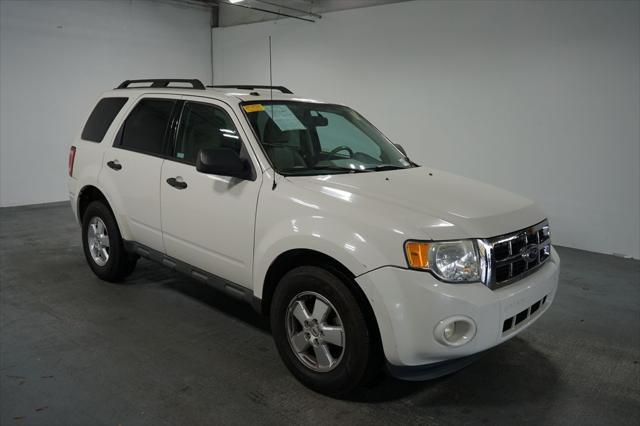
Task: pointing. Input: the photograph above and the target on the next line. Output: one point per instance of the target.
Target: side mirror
(223, 162)
(401, 149)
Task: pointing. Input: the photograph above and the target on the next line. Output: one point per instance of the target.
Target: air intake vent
(523, 317)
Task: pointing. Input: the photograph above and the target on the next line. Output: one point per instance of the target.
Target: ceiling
(248, 11)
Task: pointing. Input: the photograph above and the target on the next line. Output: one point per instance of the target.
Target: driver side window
(340, 131)
(204, 126)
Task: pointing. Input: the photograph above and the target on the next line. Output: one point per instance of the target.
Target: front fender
(290, 218)
(337, 241)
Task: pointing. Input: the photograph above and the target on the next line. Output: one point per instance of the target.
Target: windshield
(303, 138)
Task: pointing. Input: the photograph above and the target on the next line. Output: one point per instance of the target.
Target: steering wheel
(335, 150)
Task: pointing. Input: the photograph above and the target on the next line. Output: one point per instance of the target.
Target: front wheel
(321, 332)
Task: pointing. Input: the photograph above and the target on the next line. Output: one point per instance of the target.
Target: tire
(356, 361)
(117, 264)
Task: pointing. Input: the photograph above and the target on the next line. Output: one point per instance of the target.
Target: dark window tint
(101, 118)
(204, 126)
(146, 125)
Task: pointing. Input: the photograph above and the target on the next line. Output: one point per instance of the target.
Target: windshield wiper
(383, 167)
(329, 168)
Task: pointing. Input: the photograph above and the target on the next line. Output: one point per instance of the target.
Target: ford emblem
(530, 253)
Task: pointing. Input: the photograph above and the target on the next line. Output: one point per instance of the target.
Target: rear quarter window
(101, 118)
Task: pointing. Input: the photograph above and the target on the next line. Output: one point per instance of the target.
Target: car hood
(443, 205)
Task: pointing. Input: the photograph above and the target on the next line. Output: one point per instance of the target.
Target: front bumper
(409, 304)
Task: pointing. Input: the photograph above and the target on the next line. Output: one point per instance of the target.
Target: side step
(234, 290)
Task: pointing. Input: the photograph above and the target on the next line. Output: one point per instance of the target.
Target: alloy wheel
(98, 239)
(315, 331)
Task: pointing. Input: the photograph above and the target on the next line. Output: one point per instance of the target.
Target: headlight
(452, 261)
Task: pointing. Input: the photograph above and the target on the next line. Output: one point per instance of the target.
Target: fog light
(449, 330)
(455, 331)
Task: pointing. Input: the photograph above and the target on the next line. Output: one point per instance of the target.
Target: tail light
(72, 159)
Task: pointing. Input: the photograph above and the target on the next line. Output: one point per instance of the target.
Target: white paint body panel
(210, 224)
(236, 229)
(363, 220)
(135, 189)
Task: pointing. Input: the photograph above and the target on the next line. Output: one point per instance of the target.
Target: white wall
(55, 59)
(542, 98)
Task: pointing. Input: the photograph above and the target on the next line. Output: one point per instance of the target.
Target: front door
(208, 220)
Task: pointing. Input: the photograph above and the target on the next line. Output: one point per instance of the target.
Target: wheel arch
(90, 193)
(87, 194)
(294, 258)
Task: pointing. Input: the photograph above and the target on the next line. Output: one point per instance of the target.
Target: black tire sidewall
(119, 259)
(352, 369)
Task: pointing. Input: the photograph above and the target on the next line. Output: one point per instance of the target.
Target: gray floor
(162, 349)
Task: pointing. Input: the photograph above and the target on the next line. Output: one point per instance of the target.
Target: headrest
(273, 134)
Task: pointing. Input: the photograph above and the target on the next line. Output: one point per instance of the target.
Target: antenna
(270, 70)
(273, 187)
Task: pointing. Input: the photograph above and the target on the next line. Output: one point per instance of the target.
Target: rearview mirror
(223, 162)
(319, 121)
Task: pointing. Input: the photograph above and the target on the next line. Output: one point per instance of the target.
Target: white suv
(305, 210)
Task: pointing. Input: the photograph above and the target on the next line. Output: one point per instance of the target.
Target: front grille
(511, 257)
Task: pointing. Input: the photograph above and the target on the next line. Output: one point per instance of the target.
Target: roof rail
(163, 82)
(253, 87)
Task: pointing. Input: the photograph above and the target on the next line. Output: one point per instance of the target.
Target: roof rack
(282, 89)
(163, 82)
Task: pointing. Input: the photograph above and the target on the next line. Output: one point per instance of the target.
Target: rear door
(132, 167)
(208, 220)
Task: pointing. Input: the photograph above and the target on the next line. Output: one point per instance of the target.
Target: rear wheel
(103, 245)
(321, 332)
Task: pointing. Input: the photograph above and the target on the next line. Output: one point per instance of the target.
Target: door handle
(177, 182)
(114, 164)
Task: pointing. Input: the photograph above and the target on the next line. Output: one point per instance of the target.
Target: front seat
(279, 149)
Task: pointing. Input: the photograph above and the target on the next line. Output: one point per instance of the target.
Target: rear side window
(101, 118)
(145, 128)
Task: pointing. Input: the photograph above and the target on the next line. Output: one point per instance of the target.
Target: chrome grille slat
(508, 260)
(513, 256)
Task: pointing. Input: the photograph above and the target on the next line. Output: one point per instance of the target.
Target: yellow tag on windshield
(253, 108)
